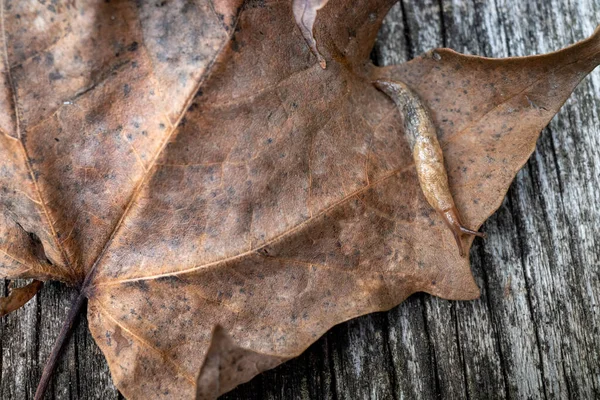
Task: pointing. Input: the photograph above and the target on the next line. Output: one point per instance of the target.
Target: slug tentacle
(427, 153)
(452, 220)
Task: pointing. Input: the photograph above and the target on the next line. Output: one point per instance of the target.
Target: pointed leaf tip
(223, 357)
(18, 297)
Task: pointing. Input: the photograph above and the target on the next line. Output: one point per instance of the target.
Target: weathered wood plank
(536, 329)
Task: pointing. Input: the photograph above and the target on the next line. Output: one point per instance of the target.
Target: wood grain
(535, 331)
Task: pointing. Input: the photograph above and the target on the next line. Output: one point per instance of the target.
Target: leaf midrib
(273, 240)
(138, 189)
(42, 202)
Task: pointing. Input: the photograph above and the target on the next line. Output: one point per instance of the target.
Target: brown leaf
(18, 297)
(188, 166)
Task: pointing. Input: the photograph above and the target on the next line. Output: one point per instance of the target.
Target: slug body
(427, 153)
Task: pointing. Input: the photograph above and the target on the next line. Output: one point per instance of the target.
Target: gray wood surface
(535, 331)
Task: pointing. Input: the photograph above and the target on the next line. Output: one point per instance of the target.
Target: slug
(427, 153)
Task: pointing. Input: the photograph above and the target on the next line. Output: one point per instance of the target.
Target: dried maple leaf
(191, 165)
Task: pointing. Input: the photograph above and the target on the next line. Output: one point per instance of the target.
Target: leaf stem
(63, 336)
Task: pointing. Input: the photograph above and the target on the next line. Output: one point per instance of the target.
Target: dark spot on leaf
(133, 46)
(54, 76)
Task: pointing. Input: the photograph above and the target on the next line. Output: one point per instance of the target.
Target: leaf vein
(267, 243)
(152, 163)
(180, 370)
(22, 146)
